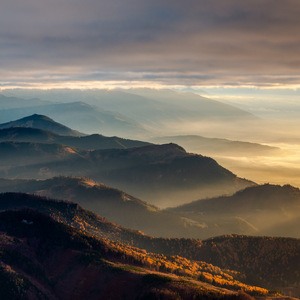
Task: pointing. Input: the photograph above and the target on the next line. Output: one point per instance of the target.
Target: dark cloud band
(169, 41)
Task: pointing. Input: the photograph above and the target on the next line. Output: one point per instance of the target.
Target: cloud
(194, 42)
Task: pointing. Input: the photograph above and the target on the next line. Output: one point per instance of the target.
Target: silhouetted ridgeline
(41, 122)
(270, 210)
(81, 116)
(125, 112)
(176, 177)
(111, 203)
(87, 142)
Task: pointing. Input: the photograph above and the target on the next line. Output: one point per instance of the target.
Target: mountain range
(89, 216)
(270, 262)
(261, 210)
(128, 113)
(269, 209)
(39, 122)
(176, 177)
(110, 203)
(44, 259)
(80, 116)
(164, 175)
(217, 146)
(8, 102)
(40, 129)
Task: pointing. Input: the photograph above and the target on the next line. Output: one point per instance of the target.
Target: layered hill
(87, 142)
(41, 122)
(267, 262)
(110, 203)
(270, 209)
(204, 107)
(8, 102)
(137, 113)
(217, 146)
(165, 175)
(149, 106)
(20, 155)
(44, 259)
(80, 116)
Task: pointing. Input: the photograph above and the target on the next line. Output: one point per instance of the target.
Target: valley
(149, 150)
(145, 215)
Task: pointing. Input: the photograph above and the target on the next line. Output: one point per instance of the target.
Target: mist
(150, 114)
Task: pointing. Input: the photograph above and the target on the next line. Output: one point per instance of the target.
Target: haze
(148, 70)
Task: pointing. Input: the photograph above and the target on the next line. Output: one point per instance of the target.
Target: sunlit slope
(41, 258)
(265, 261)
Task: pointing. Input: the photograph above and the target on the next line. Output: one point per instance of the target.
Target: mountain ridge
(85, 142)
(147, 112)
(278, 256)
(44, 259)
(267, 207)
(110, 203)
(208, 145)
(82, 117)
(176, 175)
(41, 122)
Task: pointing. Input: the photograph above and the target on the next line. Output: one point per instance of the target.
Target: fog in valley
(165, 116)
(150, 150)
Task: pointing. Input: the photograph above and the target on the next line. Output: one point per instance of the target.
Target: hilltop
(41, 122)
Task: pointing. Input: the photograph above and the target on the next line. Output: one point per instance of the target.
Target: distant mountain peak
(41, 122)
(38, 117)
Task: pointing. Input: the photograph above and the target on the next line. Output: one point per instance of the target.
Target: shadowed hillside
(110, 203)
(88, 142)
(164, 175)
(271, 209)
(20, 155)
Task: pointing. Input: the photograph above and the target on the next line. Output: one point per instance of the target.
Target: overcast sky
(163, 42)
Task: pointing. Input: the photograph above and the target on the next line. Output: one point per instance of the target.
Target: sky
(194, 43)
